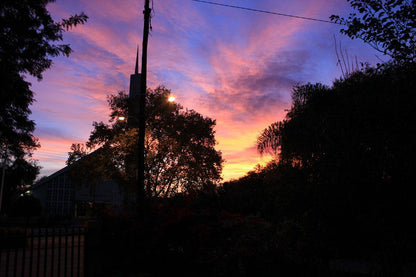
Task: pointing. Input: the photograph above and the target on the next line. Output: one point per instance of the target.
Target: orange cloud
(235, 66)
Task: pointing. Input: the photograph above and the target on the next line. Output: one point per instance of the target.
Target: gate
(42, 252)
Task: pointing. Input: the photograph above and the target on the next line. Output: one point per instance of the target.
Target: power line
(268, 12)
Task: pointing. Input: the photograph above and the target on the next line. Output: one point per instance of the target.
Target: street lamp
(171, 98)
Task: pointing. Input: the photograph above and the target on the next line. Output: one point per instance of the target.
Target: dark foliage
(389, 26)
(181, 237)
(180, 150)
(29, 38)
(26, 206)
(341, 187)
(17, 176)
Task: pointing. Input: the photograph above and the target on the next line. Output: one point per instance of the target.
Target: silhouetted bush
(177, 238)
(26, 206)
(343, 186)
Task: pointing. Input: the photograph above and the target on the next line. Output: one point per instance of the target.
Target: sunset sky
(235, 66)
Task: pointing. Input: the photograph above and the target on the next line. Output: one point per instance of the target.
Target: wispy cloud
(235, 66)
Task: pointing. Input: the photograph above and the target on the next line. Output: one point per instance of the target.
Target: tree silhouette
(269, 139)
(291, 138)
(354, 142)
(388, 26)
(179, 157)
(29, 38)
(26, 206)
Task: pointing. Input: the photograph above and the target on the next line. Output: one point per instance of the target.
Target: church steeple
(136, 70)
(134, 94)
(135, 79)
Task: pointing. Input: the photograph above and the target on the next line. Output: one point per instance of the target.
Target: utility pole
(142, 106)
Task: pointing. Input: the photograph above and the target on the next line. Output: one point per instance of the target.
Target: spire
(136, 70)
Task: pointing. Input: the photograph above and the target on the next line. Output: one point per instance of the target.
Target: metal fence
(42, 252)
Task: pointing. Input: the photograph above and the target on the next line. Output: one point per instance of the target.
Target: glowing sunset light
(234, 66)
(171, 98)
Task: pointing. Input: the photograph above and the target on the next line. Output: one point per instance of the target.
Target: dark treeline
(342, 185)
(338, 192)
(340, 189)
(29, 39)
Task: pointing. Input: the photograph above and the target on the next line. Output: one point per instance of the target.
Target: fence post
(66, 252)
(87, 261)
(45, 258)
(7, 257)
(53, 251)
(38, 256)
(16, 252)
(25, 237)
(31, 252)
(59, 250)
(79, 252)
(72, 252)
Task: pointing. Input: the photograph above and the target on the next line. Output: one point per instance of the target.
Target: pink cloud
(235, 66)
(53, 155)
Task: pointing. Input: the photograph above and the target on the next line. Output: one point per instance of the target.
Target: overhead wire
(267, 12)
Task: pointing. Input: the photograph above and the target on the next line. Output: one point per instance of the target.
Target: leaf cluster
(29, 38)
(19, 174)
(389, 26)
(353, 143)
(180, 144)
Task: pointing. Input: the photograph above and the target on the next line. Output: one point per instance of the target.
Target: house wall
(61, 197)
